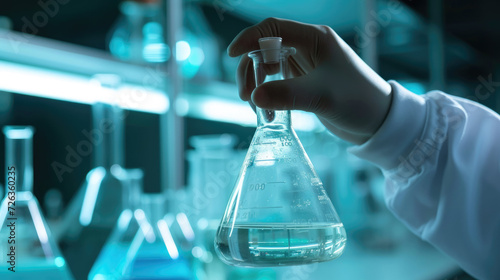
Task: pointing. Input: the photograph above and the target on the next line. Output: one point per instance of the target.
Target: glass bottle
(279, 213)
(28, 247)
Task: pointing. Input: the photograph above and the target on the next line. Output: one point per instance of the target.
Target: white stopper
(271, 49)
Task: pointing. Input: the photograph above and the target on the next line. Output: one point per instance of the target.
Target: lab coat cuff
(397, 135)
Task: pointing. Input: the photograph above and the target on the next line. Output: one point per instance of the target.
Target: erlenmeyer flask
(153, 253)
(29, 248)
(101, 204)
(109, 264)
(278, 213)
(94, 210)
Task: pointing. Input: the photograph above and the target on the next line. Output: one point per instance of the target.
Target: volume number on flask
(286, 140)
(257, 187)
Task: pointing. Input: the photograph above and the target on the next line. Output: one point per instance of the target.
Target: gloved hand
(330, 80)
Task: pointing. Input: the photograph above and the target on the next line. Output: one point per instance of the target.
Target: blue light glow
(75, 88)
(18, 132)
(197, 56)
(59, 262)
(94, 179)
(183, 50)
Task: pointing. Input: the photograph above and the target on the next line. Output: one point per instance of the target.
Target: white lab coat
(440, 155)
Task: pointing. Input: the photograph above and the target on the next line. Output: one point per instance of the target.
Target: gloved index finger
(247, 40)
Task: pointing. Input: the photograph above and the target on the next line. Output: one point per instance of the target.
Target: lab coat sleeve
(440, 156)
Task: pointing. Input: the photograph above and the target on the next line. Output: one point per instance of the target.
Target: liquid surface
(279, 244)
(36, 270)
(110, 262)
(157, 268)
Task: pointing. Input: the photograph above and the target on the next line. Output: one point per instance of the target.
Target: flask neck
(273, 119)
(271, 65)
(131, 180)
(108, 124)
(154, 205)
(19, 158)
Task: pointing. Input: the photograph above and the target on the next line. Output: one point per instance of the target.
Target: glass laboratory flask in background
(29, 248)
(153, 252)
(95, 208)
(137, 36)
(111, 260)
(279, 213)
(182, 230)
(214, 167)
(101, 203)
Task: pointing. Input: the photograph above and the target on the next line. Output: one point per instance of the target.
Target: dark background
(470, 25)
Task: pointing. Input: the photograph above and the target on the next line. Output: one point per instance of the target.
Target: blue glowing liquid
(35, 269)
(146, 265)
(109, 264)
(160, 268)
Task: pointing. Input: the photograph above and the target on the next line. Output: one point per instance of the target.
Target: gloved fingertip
(231, 51)
(260, 98)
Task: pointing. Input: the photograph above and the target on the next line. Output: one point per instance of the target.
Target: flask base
(269, 245)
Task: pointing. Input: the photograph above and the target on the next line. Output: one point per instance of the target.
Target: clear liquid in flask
(279, 213)
(277, 245)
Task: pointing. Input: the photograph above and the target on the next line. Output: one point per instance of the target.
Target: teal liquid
(156, 268)
(147, 265)
(32, 269)
(279, 244)
(110, 262)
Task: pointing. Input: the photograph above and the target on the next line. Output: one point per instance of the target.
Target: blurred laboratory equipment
(279, 213)
(213, 168)
(109, 264)
(180, 226)
(211, 174)
(95, 208)
(181, 229)
(153, 253)
(5, 23)
(53, 204)
(373, 227)
(138, 36)
(101, 203)
(29, 248)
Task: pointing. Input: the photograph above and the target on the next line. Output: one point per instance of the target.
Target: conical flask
(279, 213)
(110, 263)
(101, 204)
(153, 253)
(29, 251)
(95, 208)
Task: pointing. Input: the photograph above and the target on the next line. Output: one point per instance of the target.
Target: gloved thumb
(298, 93)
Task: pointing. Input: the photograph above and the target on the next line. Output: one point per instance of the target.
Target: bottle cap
(271, 48)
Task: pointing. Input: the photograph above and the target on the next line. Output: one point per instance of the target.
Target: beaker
(279, 213)
(29, 251)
